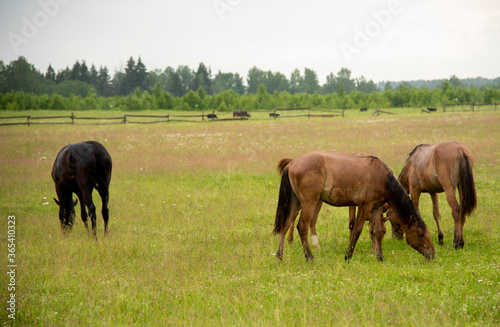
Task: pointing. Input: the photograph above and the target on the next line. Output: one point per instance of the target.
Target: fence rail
(152, 119)
(331, 113)
(471, 104)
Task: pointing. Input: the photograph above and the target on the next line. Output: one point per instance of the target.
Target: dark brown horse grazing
(344, 180)
(441, 168)
(79, 168)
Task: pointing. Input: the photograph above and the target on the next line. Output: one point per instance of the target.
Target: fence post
(72, 118)
(308, 112)
(473, 105)
(444, 106)
(28, 120)
(342, 112)
(124, 119)
(274, 113)
(202, 116)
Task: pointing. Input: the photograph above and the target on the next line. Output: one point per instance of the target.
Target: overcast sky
(379, 39)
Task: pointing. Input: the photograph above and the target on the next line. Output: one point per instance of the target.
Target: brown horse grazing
(441, 168)
(79, 168)
(344, 180)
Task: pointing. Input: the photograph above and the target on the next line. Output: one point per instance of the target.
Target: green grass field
(190, 238)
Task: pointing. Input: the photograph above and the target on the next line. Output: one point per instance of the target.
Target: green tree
(331, 84)
(50, 74)
(174, 83)
(263, 98)
(276, 82)
(191, 101)
(103, 86)
(344, 77)
(296, 82)
(310, 81)
(255, 78)
(365, 86)
(203, 78)
(20, 75)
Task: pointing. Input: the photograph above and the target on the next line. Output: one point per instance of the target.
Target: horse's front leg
(377, 232)
(352, 219)
(437, 216)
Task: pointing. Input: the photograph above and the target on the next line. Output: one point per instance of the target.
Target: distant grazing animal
(441, 168)
(79, 168)
(212, 116)
(334, 178)
(363, 109)
(272, 114)
(432, 109)
(241, 113)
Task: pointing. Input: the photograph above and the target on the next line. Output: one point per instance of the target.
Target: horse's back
(452, 150)
(85, 160)
(339, 179)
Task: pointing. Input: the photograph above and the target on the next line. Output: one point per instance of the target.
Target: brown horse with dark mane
(345, 180)
(441, 168)
(79, 168)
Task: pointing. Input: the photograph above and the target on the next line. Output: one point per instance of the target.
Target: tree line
(22, 86)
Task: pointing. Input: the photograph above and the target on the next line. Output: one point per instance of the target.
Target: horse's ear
(74, 203)
(57, 202)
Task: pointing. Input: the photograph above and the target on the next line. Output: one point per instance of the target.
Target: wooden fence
(315, 113)
(470, 105)
(146, 119)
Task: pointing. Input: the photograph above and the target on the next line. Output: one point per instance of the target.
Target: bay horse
(344, 180)
(441, 168)
(79, 168)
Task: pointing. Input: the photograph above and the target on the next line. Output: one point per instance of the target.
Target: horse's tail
(282, 164)
(466, 187)
(284, 202)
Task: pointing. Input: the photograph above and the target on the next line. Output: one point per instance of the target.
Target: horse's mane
(401, 200)
(402, 203)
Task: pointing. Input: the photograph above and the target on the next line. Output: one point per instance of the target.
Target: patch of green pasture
(193, 246)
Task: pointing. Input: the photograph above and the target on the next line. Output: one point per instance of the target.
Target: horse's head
(417, 235)
(67, 214)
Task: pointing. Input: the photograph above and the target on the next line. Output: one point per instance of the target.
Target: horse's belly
(337, 197)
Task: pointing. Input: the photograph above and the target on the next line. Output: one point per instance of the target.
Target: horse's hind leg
(458, 239)
(83, 210)
(293, 215)
(437, 216)
(294, 209)
(103, 192)
(307, 216)
(314, 235)
(363, 212)
(87, 200)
